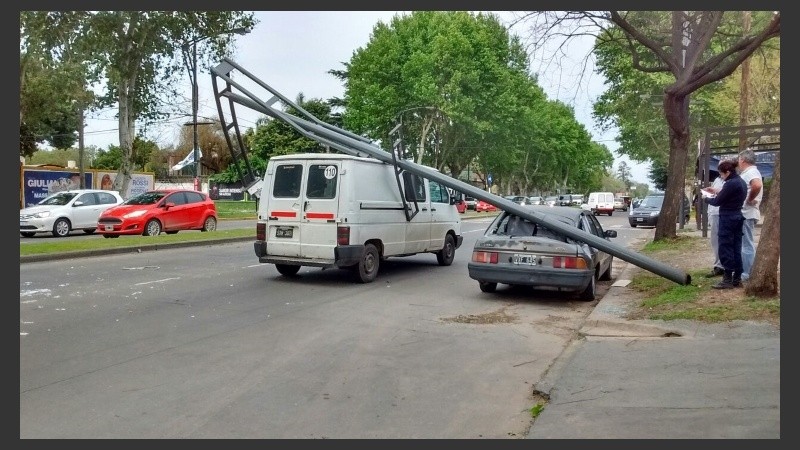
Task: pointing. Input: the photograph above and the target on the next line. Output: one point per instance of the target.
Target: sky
(292, 51)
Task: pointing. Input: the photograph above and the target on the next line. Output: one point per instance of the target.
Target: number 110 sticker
(330, 172)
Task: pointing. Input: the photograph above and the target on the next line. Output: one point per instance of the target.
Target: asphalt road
(204, 342)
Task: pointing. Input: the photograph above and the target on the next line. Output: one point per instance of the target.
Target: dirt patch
(499, 316)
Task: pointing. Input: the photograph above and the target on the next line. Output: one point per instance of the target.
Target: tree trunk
(677, 114)
(744, 85)
(127, 131)
(763, 280)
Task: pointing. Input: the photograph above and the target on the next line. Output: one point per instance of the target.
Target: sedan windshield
(148, 198)
(62, 198)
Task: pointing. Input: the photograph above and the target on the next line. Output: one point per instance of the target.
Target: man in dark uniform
(730, 199)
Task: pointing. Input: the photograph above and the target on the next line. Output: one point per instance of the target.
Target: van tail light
(568, 262)
(485, 257)
(261, 231)
(342, 235)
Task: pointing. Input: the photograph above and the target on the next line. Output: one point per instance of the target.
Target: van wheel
(487, 287)
(589, 293)
(367, 268)
(287, 270)
(610, 212)
(446, 255)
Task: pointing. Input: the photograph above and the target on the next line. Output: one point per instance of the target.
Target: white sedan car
(65, 211)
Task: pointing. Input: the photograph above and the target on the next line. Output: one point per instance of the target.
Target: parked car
(518, 199)
(551, 201)
(461, 206)
(647, 212)
(168, 210)
(64, 211)
(619, 204)
(483, 206)
(536, 200)
(471, 202)
(516, 251)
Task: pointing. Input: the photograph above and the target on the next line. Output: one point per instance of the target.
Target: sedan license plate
(525, 260)
(109, 228)
(639, 219)
(283, 232)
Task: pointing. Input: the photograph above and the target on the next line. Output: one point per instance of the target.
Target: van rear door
(303, 207)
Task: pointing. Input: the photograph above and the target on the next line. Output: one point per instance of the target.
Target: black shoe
(716, 272)
(724, 284)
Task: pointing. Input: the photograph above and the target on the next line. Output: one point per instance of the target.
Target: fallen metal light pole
(355, 145)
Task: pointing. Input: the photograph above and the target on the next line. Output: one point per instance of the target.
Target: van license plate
(526, 260)
(639, 219)
(283, 232)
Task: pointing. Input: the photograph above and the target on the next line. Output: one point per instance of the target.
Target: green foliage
(459, 84)
(536, 410)
(111, 158)
(633, 101)
(227, 209)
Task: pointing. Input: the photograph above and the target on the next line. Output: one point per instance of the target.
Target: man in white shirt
(750, 209)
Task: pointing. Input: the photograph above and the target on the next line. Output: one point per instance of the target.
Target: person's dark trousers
(730, 249)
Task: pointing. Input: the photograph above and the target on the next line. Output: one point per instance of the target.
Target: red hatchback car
(152, 212)
(482, 206)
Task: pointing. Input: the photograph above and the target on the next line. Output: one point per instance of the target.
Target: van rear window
(322, 181)
(287, 181)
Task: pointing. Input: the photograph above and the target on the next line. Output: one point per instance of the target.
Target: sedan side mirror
(610, 233)
(168, 205)
(77, 203)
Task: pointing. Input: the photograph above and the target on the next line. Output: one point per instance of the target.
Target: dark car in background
(516, 251)
(647, 212)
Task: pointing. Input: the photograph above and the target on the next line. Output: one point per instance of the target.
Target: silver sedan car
(516, 251)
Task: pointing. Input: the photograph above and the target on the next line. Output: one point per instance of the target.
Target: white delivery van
(334, 210)
(601, 203)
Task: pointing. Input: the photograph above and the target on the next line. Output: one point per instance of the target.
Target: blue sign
(38, 184)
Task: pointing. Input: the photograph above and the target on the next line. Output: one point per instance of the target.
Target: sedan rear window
(512, 225)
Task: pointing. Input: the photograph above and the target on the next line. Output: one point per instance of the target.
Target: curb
(607, 317)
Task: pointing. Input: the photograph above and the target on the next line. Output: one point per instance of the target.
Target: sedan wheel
(61, 228)
(210, 224)
(487, 287)
(152, 228)
(590, 291)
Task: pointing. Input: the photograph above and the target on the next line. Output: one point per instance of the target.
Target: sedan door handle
(424, 209)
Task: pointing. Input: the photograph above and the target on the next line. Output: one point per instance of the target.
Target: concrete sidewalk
(662, 379)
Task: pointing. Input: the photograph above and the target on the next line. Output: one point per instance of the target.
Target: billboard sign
(39, 183)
